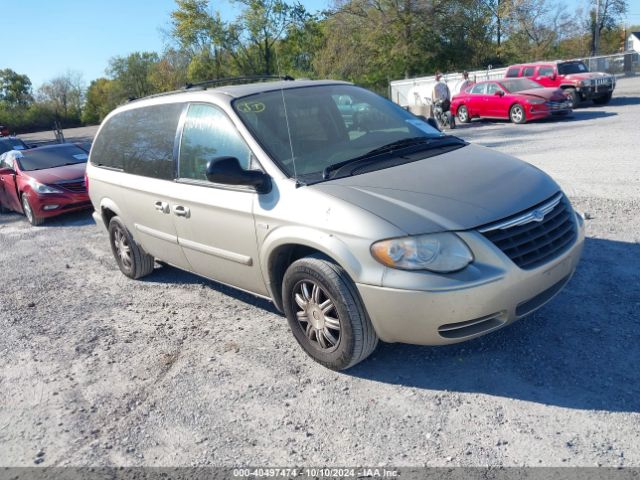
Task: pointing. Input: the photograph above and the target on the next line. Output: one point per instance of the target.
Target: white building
(633, 42)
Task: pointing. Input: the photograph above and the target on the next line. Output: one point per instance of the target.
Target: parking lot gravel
(176, 370)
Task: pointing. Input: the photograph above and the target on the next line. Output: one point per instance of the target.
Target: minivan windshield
(330, 125)
(568, 68)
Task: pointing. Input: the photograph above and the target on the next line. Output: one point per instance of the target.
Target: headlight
(40, 188)
(437, 252)
(536, 101)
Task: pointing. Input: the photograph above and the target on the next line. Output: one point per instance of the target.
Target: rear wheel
(29, 213)
(133, 261)
(516, 114)
(602, 100)
(325, 313)
(463, 114)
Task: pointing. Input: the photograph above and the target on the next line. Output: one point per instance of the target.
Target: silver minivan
(357, 219)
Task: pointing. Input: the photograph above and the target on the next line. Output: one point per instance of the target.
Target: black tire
(29, 213)
(133, 261)
(603, 100)
(353, 340)
(3, 209)
(573, 96)
(463, 114)
(517, 114)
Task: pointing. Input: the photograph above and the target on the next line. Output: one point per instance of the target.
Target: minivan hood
(459, 190)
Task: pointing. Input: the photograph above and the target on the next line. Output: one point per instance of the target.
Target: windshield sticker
(421, 124)
(18, 147)
(81, 156)
(251, 107)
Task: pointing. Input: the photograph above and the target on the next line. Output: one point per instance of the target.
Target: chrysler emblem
(538, 215)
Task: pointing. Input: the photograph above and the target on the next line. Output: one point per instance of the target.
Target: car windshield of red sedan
(42, 158)
(519, 84)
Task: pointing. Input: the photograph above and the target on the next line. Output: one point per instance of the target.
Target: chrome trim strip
(216, 252)
(530, 216)
(156, 233)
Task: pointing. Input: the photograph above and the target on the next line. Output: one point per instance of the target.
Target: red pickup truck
(573, 76)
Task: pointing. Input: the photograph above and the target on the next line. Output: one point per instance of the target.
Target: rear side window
(140, 141)
(208, 133)
(528, 71)
(513, 72)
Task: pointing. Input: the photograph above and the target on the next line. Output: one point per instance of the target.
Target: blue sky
(46, 38)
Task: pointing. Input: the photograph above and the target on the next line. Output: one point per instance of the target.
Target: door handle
(181, 211)
(162, 207)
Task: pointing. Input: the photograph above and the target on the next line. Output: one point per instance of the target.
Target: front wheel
(573, 97)
(463, 114)
(325, 313)
(133, 261)
(29, 213)
(517, 114)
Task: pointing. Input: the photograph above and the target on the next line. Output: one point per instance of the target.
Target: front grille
(529, 240)
(76, 186)
(472, 327)
(603, 81)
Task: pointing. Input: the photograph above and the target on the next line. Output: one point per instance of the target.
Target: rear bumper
(451, 315)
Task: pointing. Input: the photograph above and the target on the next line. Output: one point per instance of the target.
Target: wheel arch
(281, 250)
(108, 210)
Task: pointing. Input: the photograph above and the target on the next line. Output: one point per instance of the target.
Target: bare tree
(603, 15)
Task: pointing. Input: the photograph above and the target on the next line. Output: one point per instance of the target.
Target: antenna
(286, 118)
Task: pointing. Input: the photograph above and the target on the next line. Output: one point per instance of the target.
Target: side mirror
(553, 76)
(499, 93)
(227, 171)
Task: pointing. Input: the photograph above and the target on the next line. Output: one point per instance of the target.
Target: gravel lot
(100, 370)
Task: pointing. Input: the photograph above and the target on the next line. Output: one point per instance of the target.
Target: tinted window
(518, 84)
(572, 67)
(479, 88)
(208, 133)
(45, 157)
(545, 71)
(528, 71)
(513, 72)
(139, 141)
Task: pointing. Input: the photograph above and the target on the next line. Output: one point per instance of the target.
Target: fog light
(50, 207)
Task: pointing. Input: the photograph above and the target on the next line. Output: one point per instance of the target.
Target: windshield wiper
(389, 148)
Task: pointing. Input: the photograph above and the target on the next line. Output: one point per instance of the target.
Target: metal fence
(416, 92)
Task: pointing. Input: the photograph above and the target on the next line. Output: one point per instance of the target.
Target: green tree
(103, 95)
(15, 89)
(133, 73)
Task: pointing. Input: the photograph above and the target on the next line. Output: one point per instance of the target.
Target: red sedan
(44, 182)
(517, 99)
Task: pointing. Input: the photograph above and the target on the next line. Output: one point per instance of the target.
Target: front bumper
(496, 293)
(51, 205)
(596, 91)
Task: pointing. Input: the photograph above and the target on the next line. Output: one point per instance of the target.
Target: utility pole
(596, 33)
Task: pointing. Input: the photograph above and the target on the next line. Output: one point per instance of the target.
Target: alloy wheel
(123, 250)
(27, 209)
(317, 315)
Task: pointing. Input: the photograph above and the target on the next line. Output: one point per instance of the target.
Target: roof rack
(233, 80)
(216, 82)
